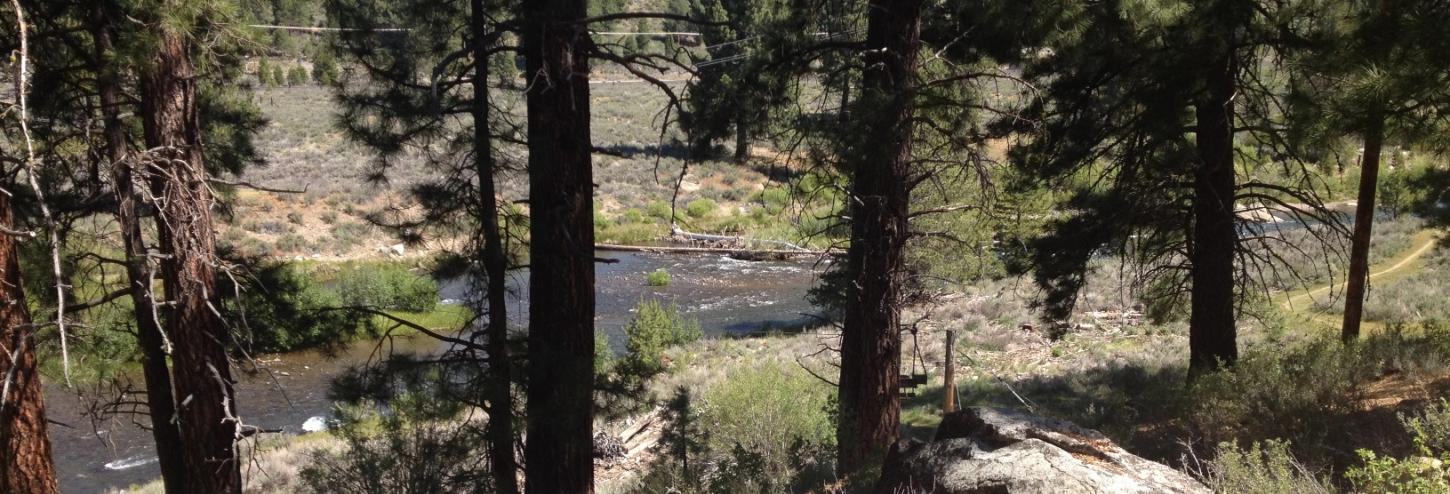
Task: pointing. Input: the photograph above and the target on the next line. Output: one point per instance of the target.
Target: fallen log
(681, 234)
(733, 251)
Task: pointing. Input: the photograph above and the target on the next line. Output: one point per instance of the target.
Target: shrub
(699, 208)
(658, 277)
(771, 425)
(348, 234)
(1263, 468)
(1423, 473)
(1430, 427)
(285, 310)
(1389, 475)
(401, 453)
(297, 75)
(294, 218)
(292, 242)
(654, 328)
(659, 209)
(268, 227)
(603, 355)
(774, 199)
(388, 286)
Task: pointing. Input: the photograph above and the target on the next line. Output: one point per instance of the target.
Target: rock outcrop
(990, 450)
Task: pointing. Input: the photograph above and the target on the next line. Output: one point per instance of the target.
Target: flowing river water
(727, 296)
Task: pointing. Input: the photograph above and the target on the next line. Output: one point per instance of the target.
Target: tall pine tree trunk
(201, 377)
(559, 452)
(742, 138)
(495, 265)
(870, 341)
(159, 400)
(1212, 331)
(1369, 171)
(25, 459)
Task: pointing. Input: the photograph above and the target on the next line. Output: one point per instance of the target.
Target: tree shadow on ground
(674, 150)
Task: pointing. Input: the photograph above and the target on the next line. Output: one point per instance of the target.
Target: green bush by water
(658, 277)
(388, 286)
(654, 328)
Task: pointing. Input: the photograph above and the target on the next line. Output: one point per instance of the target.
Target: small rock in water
(315, 424)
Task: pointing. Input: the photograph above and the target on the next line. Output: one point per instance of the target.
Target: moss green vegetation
(658, 277)
(288, 306)
(655, 327)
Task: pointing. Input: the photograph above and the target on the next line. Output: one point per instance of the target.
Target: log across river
(728, 296)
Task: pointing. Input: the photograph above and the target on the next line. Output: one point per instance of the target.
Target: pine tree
(207, 422)
(264, 72)
(159, 398)
(27, 465)
(881, 171)
(297, 75)
(394, 114)
(559, 453)
(731, 90)
(1373, 75)
(682, 437)
(324, 68)
(1154, 98)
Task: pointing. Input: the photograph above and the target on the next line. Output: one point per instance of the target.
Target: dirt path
(1303, 301)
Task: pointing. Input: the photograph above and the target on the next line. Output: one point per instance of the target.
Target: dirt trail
(1303, 301)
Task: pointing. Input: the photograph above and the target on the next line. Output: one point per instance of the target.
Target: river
(727, 296)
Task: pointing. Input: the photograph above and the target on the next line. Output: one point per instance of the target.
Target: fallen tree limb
(711, 250)
(681, 234)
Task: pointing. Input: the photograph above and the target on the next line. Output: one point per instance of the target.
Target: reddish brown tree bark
(558, 456)
(1369, 170)
(25, 459)
(201, 377)
(159, 400)
(881, 195)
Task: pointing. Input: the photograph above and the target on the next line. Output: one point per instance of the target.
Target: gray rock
(990, 450)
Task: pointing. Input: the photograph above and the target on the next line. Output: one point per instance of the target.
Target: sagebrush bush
(293, 243)
(1262, 468)
(349, 232)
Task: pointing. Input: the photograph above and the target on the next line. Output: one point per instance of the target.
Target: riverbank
(727, 296)
(1121, 376)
